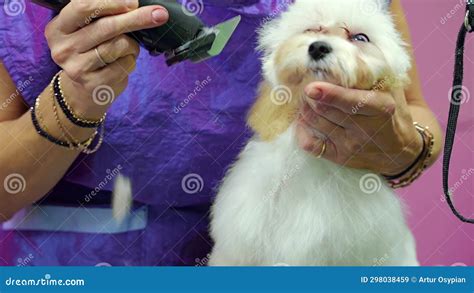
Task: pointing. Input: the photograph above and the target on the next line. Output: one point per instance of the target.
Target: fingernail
(314, 93)
(159, 15)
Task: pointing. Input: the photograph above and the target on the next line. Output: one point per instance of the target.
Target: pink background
(441, 238)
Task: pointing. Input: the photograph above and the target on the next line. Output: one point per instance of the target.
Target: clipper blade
(223, 32)
(209, 43)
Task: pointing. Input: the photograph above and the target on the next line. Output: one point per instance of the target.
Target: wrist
(54, 121)
(47, 119)
(411, 149)
(415, 170)
(81, 101)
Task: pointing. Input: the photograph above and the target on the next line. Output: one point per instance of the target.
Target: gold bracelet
(40, 116)
(42, 129)
(42, 123)
(84, 147)
(416, 169)
(68, 111)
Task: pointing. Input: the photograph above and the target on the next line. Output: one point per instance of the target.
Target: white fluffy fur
(368, 16)
(122, 198)
(279, 204)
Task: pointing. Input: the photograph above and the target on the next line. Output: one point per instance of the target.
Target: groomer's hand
(87, 40)
(362, 129)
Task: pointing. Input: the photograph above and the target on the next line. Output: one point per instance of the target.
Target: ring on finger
(323, 150)
(101, 60)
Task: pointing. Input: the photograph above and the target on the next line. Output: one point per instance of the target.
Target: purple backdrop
(441, 238)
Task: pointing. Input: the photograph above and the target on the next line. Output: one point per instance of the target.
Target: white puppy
(281, 205)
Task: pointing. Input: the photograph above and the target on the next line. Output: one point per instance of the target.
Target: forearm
(423, 115)
(41, 163)
(419, 109)
(76, 49)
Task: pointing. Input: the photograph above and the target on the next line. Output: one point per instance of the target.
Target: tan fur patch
(269, 118)
(365, 78)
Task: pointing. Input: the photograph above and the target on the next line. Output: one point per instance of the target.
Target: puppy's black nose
(319, 50)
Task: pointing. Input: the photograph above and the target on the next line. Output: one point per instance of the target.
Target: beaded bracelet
(419, 166)
(44, 133)
(66, 108)
(71, 143)
(83, 147)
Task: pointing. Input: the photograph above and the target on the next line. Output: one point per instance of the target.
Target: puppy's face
(352, 43)
(334, 54)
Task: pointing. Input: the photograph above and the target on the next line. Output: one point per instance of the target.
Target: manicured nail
(159, 15)
(314, 93)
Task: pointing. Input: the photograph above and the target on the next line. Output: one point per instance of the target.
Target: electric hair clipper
(184, 37)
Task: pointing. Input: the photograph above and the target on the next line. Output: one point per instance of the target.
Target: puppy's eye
(361, 38)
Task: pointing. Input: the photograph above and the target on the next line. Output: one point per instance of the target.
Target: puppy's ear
(274, 111)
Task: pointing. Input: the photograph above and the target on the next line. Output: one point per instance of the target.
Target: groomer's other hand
(85, 29)
(363, 129)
